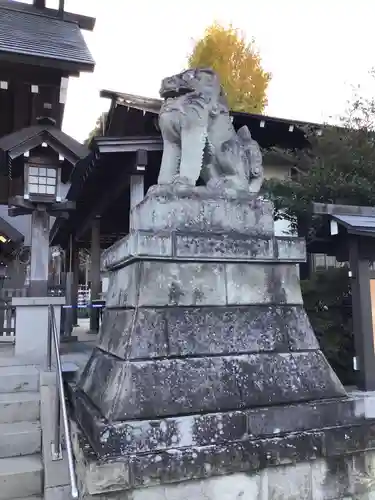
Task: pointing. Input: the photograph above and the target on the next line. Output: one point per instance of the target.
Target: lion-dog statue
(199, 137)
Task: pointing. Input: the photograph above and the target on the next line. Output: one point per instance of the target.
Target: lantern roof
(20, 142)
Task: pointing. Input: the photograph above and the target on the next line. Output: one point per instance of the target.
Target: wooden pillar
(137, 185)
(362, 316)
(95, 273)
(68, 313)
(75, 268)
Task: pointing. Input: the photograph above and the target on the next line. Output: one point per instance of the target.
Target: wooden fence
(8, 314)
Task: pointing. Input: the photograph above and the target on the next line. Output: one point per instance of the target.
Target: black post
(75, 284)
(362, 315)
(95, 274)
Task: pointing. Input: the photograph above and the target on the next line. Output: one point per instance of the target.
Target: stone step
(19, 407)
(33, 497)
(20, 477)
(20, 438)
(19, 379)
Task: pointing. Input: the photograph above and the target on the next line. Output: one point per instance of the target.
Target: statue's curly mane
(205, 93)
(199, 138)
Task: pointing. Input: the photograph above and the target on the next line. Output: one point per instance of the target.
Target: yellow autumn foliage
(238, 64)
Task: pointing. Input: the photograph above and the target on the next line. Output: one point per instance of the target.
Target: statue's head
(202, 80)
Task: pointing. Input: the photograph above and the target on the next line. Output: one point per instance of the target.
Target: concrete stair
(21, 467)
(19, 379)
(20, 438)
(20, 477)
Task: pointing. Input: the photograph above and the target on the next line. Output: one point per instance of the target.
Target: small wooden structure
(350, 236)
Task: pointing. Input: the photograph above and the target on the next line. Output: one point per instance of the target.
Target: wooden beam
(40, 4)
(68, 67)
(331, 209)
(117, 188)
(128, 144)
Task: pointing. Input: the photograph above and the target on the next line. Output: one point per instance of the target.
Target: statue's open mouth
(172, 94)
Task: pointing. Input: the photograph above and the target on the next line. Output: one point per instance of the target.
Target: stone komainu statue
(199, 138)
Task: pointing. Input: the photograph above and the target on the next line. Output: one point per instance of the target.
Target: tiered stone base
(205, 350)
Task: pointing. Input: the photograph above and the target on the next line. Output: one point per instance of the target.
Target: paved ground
(76, 352)
(79, 351)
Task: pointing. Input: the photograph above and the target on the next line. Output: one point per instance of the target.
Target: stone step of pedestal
(32, 497)
(19, 379)
(20, 477)
(20, 438)
(19, 406)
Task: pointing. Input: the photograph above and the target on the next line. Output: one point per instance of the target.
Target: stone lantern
(48, 157)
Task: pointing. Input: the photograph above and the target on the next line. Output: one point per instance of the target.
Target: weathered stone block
(100, 380)
(159, 245)
(291, 432)
(342, 440)
(263, 284)
(218, 428)
(288, 483)
(184, 331)
(330, 478)
(202, 246)
(202, 210)
(290, 248)
(115, 254)
(279, 420)
(122, 286)
(300, 334)
(172, 283)
(134, 333)
(145, 389)
(175, 387)
(322, 379)
(224, 246)
(234, 487)
(361, 473)
(136, 243)
(215, 330)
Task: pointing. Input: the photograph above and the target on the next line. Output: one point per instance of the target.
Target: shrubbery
(327, 299)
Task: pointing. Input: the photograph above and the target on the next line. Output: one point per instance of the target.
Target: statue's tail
(252, 152)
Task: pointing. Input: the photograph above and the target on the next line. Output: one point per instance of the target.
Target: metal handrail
(60, 404)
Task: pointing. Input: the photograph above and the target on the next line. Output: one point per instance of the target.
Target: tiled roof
(33, 34)
(15, 228)
(19, 142)
(357, 223)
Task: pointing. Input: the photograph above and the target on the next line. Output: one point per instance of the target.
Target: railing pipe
(60, 406)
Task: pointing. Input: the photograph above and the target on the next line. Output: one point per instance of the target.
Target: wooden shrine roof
(28, 138)
(35, 37)
(102, 187)
(268, 131)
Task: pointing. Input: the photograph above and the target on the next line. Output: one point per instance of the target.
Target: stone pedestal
(32, 326)
(205, 352)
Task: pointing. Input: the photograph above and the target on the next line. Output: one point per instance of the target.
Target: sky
(315, 49)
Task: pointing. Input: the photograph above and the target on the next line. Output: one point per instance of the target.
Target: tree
(327, 300)
(338, 168)
(238, 64)
(97, 131)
